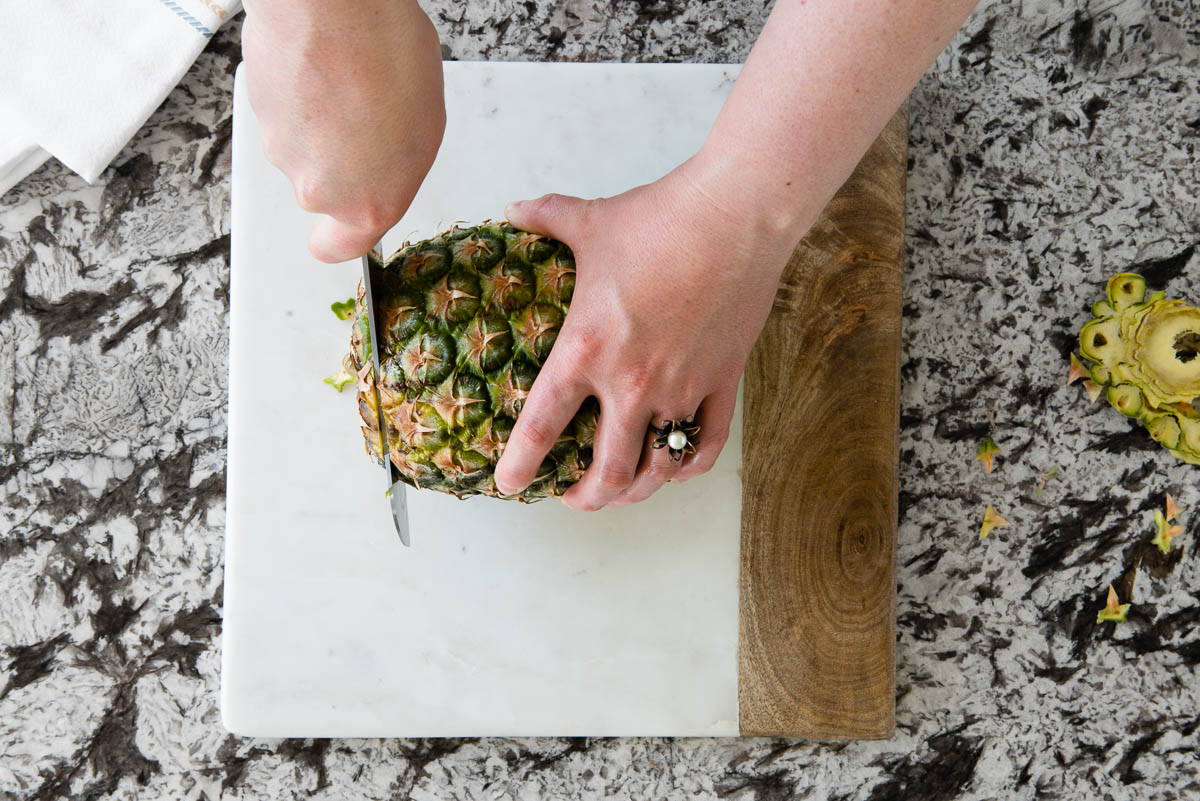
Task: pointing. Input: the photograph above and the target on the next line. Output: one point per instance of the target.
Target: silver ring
(679, 437)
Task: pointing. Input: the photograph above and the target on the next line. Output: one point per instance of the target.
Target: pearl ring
(677, 436)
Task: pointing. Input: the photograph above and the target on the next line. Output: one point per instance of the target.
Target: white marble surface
(503, 618)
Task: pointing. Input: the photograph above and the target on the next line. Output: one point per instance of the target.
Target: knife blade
(396, 496)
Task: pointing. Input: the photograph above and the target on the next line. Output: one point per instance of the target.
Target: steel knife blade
(395, 488)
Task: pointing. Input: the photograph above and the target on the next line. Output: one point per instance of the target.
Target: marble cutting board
(502, 619)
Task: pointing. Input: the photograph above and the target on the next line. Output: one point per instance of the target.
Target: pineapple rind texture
(1146, 351)
(466, 321)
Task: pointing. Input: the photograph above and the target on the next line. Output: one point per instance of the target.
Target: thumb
(333, 241)
(555, 216)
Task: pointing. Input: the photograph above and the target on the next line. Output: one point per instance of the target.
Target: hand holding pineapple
(676, 278)
(670, 294)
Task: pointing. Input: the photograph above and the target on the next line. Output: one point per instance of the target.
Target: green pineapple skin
(1134, 341)
(466, 320)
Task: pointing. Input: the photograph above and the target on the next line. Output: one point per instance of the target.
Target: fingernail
(511, 207)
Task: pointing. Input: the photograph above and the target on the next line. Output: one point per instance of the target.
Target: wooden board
(816, 650)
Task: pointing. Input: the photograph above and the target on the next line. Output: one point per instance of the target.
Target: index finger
(552, 402)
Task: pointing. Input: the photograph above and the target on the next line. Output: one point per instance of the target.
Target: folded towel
(80, 77)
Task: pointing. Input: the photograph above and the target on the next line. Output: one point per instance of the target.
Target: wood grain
(820, 453)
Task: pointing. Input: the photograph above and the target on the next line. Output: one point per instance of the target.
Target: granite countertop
(1050, 146)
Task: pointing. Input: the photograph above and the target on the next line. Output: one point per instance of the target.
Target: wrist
(292, 17)
(753, 195)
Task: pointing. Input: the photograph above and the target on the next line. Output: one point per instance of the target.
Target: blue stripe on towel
(188, 18)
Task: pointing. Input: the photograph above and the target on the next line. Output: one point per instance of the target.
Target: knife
(395, 488)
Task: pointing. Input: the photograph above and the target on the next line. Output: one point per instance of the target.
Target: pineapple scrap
(1144, 352)
(1166, 532)
(986, 453)
(991, 520)
(343, 310)
(1046, 478)
(340, 379)
(1113, 612)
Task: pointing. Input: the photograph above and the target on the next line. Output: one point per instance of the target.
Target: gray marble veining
(1052, 144)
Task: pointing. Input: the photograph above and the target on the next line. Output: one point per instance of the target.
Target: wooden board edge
(771, 691)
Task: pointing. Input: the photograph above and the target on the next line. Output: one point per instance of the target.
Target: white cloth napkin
(79, 77)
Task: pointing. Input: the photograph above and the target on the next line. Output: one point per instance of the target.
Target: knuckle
(379, 215)
(639, 378)
(662, 469)
(308, 192)
(614, 477)
(550, 203)
(587, 217)
(692, 387)
(535, 433)
(585, 344)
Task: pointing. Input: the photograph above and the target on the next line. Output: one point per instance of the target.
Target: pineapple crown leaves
(991, 520)
(1113, 612)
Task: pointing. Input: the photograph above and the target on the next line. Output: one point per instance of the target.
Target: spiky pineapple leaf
(986, 453)
(1173, 509)
(1077, 371)
(1166, 532)
(991, 520)
(1113, 612)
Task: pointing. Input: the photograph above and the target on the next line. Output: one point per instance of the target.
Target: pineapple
(466, 321)
(1146, 354)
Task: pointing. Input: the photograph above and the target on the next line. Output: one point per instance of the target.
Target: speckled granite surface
(1050, 146)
